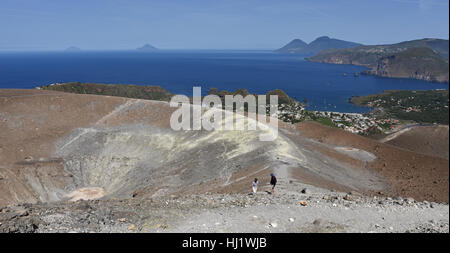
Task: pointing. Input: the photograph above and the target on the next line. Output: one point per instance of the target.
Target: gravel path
(324, 212)
(294, 207)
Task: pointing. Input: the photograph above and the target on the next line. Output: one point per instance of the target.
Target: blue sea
(323, 85)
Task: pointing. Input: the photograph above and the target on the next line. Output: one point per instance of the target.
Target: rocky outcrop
(421, 59)
(416, 63)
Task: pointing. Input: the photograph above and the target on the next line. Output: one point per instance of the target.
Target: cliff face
(338, 59)
(382, 68)
(357, 56)
(417, 63)
(421, 59)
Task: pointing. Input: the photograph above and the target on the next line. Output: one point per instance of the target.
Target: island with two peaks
(298, 46)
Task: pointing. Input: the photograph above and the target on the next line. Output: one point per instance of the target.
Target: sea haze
(323, 85)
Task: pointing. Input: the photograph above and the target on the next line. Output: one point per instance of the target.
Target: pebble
(349, 197)
(409, 200)
(318, 222)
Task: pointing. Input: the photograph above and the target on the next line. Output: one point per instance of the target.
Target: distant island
(322, 43)
(425, 59)
(147, 48)
(73, 49)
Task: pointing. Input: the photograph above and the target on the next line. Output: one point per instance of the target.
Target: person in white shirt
(255, 185)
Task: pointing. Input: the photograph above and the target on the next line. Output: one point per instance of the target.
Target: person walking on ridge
(255, 185)
(273, 182)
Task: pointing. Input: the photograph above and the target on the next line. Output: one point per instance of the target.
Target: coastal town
(353, 122)
(390, 110)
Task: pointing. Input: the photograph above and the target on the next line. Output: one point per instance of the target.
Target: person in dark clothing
(273, 182)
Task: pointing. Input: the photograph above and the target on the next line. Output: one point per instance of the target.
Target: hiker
(255, 185)
(273, 182)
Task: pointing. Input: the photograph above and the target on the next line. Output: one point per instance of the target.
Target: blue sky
(209, 24)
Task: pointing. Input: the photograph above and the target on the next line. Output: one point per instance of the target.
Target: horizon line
(168, 49)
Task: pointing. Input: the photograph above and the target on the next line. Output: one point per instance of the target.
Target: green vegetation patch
(325, 121)
(430, 106)
(118, 90)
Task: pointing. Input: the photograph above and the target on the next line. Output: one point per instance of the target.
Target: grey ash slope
(126, 145)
